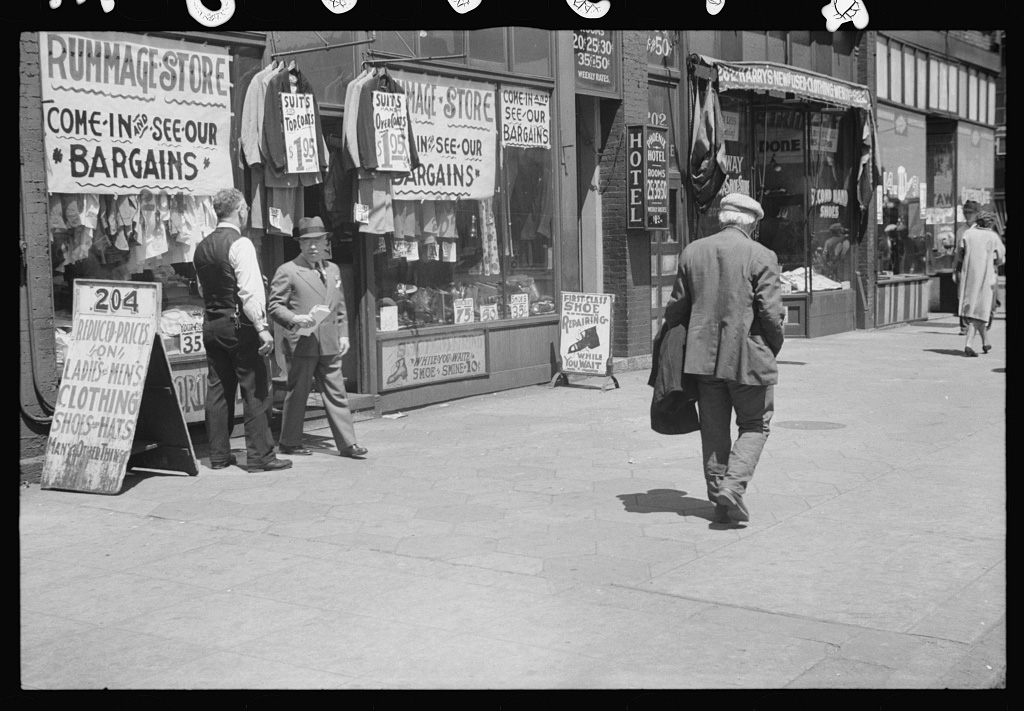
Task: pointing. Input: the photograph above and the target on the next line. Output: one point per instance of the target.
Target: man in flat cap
(729, 292)
(306, 282)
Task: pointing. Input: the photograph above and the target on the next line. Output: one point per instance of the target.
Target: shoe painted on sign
(588, 339)
(400, 372)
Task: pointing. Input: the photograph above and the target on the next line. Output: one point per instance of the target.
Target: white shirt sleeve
(242, 257)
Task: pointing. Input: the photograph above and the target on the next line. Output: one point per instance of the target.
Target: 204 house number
(114, 300)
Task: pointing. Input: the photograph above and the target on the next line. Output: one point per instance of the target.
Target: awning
(768, 76)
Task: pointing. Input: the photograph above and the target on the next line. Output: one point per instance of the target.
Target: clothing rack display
(387, 58)
(275, 55)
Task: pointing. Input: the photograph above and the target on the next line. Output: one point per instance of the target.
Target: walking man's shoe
(353, 451)
(298, 450)
(722, 514)
(271, 465)
(232, 461)
(733, 502)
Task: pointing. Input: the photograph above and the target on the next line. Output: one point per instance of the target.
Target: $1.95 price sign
(300, 133)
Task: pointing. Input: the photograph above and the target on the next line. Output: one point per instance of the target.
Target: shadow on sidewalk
(947, 351)
(668, 501)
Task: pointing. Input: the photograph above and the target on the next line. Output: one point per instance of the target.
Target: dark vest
(216, 277)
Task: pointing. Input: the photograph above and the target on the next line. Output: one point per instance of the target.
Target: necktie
(321, 272)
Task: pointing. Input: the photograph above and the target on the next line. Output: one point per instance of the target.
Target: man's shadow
(674, 501)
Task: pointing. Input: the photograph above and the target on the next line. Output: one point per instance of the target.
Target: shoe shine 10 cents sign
(585, 327)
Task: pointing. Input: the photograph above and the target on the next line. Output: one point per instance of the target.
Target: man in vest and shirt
(728, 288)
(237, 337)
(307, 281)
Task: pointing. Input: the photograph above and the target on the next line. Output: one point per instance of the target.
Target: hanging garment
(91, 211)
(428, 222)
(366, 133)
(55, 214)
(444, 211)
(251, 124)
(491, 261)
(126, 213)
(74, 205)
(375, 193)
(869, 167)
(152, 233)
(339, 191)
(285, 207)
(406, 220)
(350, 141)
(275, 152)
(707, 154)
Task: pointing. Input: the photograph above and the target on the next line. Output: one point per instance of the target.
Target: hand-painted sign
(300, 133)
(586, 333)
(525, 118)
(391, 132)
(597, 62)
(765, 76)
(455, 125)
(417, 361)
(123, 113)
(647, 177)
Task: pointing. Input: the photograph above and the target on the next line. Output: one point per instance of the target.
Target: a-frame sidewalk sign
(585, 337)
(117, 408)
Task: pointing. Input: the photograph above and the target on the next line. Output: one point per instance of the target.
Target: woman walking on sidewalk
(980, 252)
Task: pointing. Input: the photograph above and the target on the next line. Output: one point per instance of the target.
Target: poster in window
(455, 126)
(525, 118)
(123, 113)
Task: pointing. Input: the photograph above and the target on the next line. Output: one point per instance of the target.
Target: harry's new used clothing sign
(123, 113)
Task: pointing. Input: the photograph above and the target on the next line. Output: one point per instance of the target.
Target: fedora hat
(310, 227)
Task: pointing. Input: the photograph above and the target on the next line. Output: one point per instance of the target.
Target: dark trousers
(233, 360)
(327, 372)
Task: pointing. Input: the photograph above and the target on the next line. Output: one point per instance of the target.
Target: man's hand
(266, 342)
(303, 321)
(343, 345)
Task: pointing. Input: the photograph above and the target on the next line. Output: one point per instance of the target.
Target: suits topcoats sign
(647, 177)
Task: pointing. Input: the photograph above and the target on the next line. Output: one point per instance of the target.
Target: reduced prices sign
(585, 333)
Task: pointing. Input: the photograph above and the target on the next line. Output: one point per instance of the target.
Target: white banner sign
(525, 118)
(586, 333)
(455, 125)
(123, 113)
(417, 361)
(300, 133)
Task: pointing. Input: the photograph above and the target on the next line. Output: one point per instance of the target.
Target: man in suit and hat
(237, 337)
(728, 288)
(311, 280)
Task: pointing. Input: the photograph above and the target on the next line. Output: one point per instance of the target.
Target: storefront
(792, 141)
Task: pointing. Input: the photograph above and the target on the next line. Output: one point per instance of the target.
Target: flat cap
(738, 202)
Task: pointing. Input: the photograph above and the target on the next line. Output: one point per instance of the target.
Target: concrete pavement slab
(240, 671)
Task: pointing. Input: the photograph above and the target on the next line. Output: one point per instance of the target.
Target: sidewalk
(547, 538)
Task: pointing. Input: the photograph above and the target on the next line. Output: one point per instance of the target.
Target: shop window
(922, 81)
(779, 167)
(882, 70)
(738, 150)
(662, 48)
(441, 43)
(663, 111)
(910, 88)
(328, 70)
(962, 95)
(941, 199)
(531, 51)
(486, 250)
(776, 46)
(831, 217)
(754, 46)
(944, 84)
(895, 73)
(396, 42)
(488, 47)
(903, 239)
(972, 100)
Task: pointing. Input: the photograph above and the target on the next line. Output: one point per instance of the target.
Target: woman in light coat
(980, 252)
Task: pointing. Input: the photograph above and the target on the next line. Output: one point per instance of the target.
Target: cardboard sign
(596, 55)
(520, 305)
(488, 312)
(585, 333)
(391, 132)
(106, 384)
(463, 310)
(191, 338)
(525, 118)
(455, 125)
(123, 113)
(413, 361)
(300, 133)
(388, 318)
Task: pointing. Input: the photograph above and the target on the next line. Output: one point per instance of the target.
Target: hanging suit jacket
(707, 154)
(297, 288)
(272, 142)
(365, 132)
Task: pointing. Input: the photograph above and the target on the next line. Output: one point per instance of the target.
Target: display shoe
(400, 372)
(588, 339)
(232, 461)
(271, 465)
(970, 352)
(298, 450)
(733, 502)
(353, 451)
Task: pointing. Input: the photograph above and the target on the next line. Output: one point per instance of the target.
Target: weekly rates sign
(121, 116)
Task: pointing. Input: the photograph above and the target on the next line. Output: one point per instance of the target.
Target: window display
(779, 168)
(903, 242)
(736, 131)
(830, 219)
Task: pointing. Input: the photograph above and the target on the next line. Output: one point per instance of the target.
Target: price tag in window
(192, 338)
(488, 312)
(463, 310)
(360, 213)
(388, 318)
(520, 305)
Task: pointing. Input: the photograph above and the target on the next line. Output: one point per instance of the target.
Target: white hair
(736, 217)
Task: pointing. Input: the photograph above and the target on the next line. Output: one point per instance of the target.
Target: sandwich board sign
(585, 336)
(117, 407)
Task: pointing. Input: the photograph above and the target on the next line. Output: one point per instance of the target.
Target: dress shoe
(232, 461)
(986, 349)
(733, 502)
(722, 514)
(271, 465)
(970, 353)
(297, 450)
(353, 451)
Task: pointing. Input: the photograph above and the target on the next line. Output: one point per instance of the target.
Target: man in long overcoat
(728, 285)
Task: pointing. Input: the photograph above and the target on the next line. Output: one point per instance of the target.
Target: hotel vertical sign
(647, 177)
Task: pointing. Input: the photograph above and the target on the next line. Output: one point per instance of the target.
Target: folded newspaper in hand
(319, 313)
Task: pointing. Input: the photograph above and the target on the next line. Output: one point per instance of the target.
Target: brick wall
(37, 290)
(627, 253)
(866, 256)
(978, 38)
